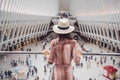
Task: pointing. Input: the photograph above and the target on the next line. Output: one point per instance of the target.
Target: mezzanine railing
(93, 67)
(40, 52)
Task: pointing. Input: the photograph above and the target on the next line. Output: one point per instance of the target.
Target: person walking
(1, 74)
(32, 72)
(118, 64)
(113, 61)
(6, 73)
(45, 70)
(35, 69)
(90, 78)
(63, 50)
(27, 74)
(37, 78)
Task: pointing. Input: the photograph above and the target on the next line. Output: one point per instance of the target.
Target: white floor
(95, 48)
(89, 70)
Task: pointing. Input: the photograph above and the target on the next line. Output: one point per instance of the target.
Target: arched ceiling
(84, 9)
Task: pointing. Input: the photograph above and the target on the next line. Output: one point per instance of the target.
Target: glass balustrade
(25, 65)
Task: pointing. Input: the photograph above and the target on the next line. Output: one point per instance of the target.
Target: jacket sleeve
(51, 54)
(76, 53)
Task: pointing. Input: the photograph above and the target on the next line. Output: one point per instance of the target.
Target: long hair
(64, 37)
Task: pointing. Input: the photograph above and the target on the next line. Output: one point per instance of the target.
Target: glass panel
(5, 35)
(92, 29)
(105, 32)
(86, 28)
(0, 35)
(101, 32)
(109, 33)
(11, 33)
(16, 32)
(95, 30)
(20, 31)
(98, 31)
(29, 65)
(114, 35)
(119, 35)
(27, 29)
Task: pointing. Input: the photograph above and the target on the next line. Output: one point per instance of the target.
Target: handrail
(40, 52)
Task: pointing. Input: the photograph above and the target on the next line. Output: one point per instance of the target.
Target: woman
(63, 50)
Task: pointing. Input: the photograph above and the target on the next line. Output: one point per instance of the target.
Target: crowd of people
(84, 49)
(87, 62)
(6, 74)
(16, 70)
(32, 71)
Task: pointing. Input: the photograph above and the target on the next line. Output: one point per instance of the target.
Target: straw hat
(63, 27)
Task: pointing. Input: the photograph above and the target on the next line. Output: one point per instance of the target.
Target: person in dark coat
(37, 78)
(32, 72)
(27, 74)
(1, 75)
(6, 73)
(35, 69)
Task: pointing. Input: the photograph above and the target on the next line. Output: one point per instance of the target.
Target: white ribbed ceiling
(94, 7)
(96, 10)
(82, 8)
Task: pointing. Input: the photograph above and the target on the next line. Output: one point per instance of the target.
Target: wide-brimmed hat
(63, 27)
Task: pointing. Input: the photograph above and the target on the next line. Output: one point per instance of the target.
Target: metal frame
(40, 52)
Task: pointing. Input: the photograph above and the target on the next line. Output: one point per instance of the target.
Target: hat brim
(61, 31)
